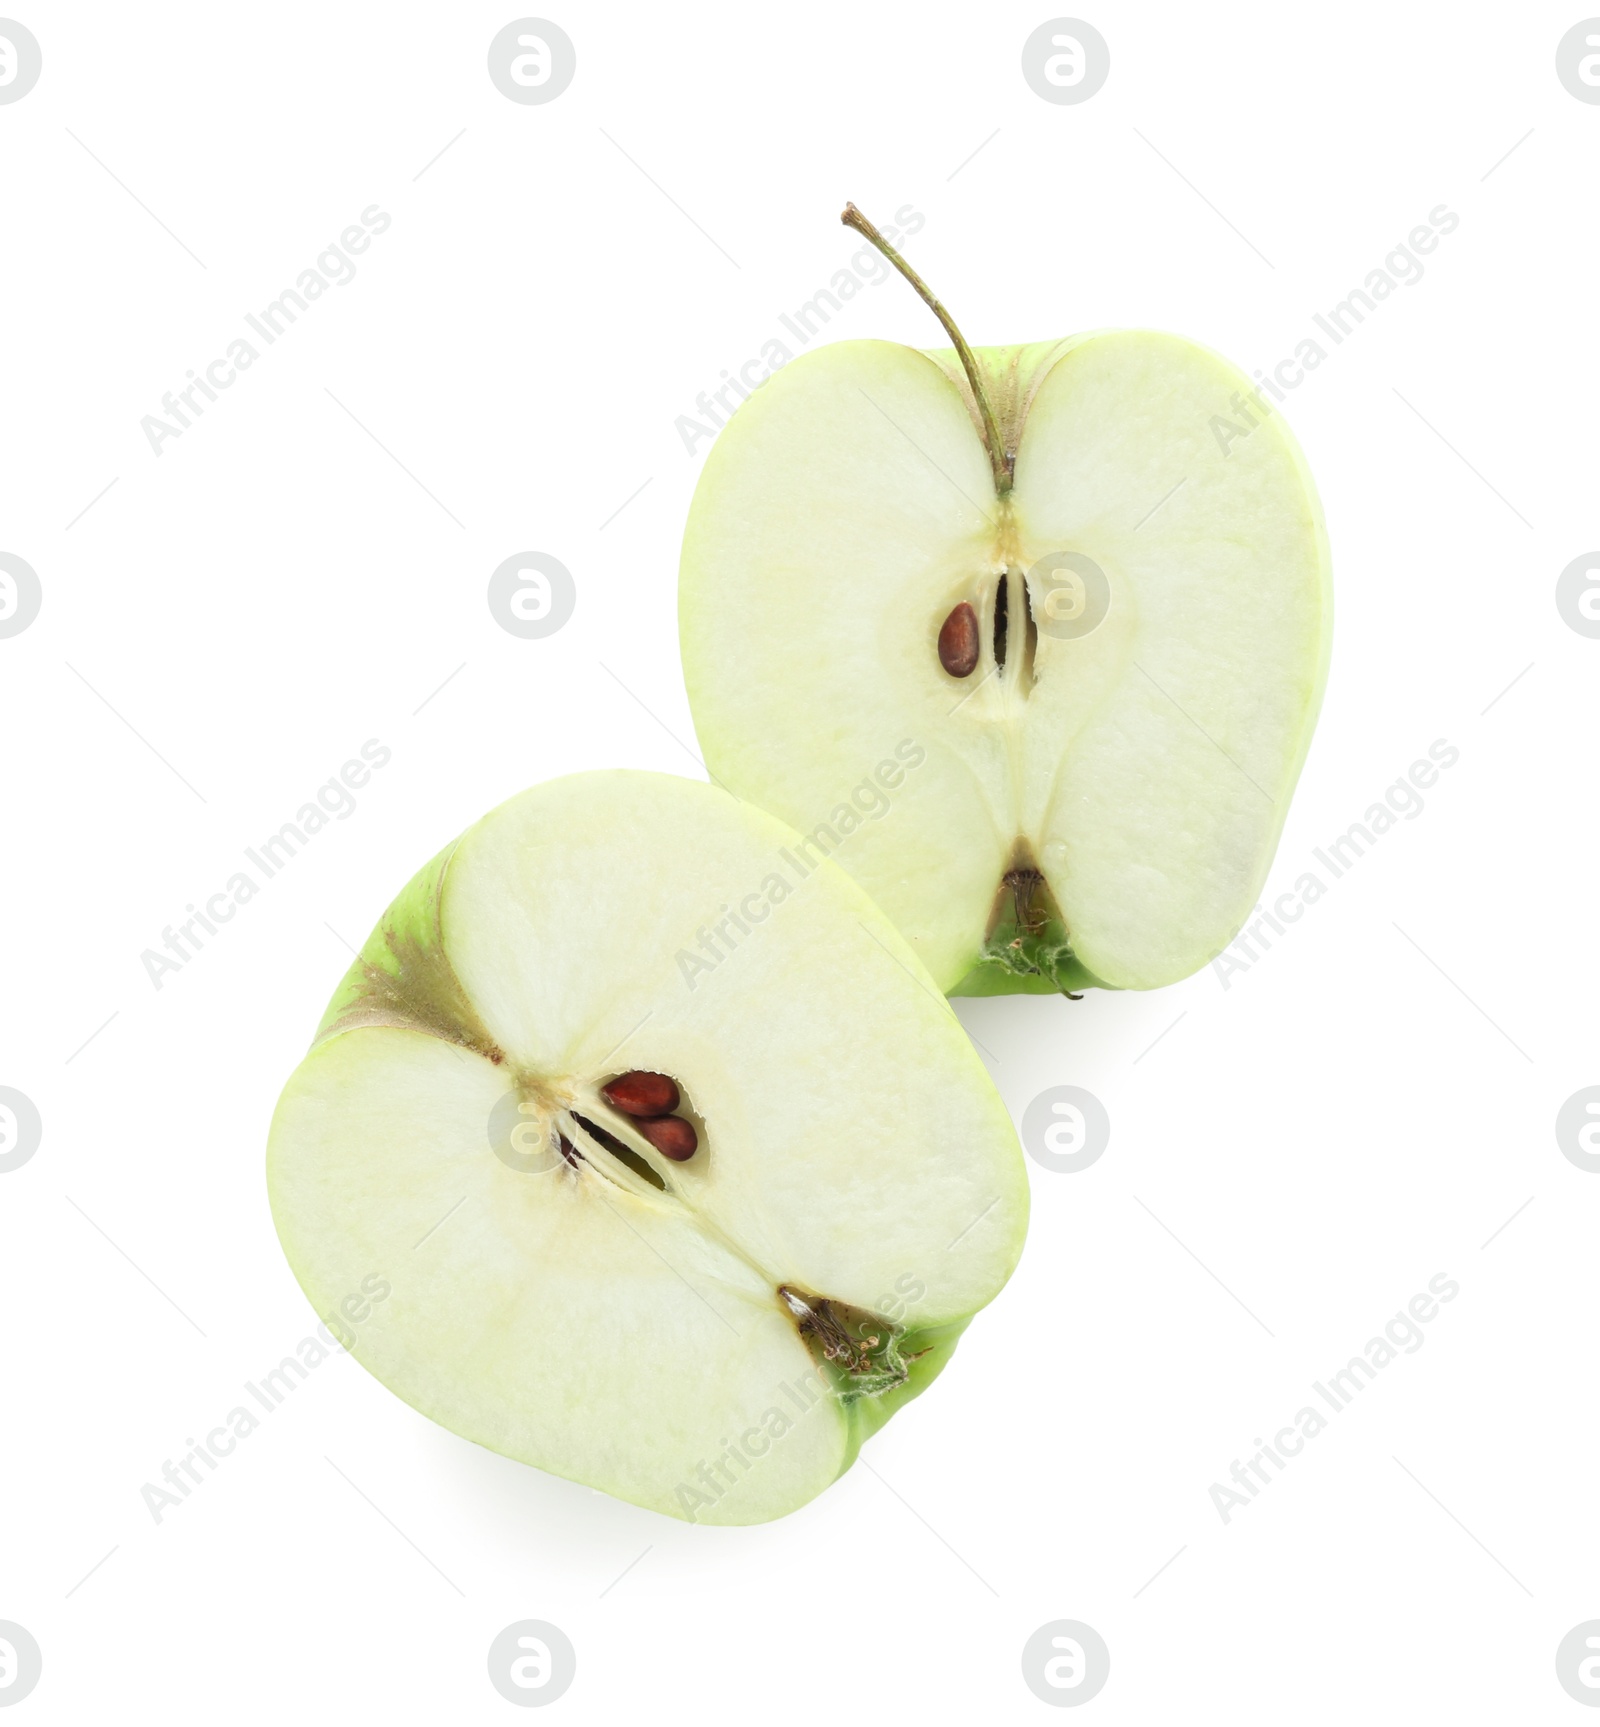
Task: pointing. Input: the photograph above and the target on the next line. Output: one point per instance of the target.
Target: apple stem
(999, 460)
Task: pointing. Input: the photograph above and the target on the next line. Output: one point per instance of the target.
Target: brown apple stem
(999, 459)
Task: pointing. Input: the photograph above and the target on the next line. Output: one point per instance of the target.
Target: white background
(1356, 1113)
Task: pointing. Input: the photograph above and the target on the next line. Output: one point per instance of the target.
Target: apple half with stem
(1107, 624)
(682, 1175)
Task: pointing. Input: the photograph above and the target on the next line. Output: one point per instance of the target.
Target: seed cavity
(671, 1135)
(569, 1151)
(1001, 619)
(641, 1093)
(1030, 639)
(622, 1153)
(958, 642)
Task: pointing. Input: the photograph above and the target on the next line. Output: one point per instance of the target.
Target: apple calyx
(858, 1349)
(1028, 940)
(1001, 460)
(1029, 937)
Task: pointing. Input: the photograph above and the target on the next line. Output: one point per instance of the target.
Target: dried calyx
(1027, 935)
(858, 1349)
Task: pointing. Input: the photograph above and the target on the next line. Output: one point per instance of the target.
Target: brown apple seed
(958, 642)
(642, 1094)
(671, 1135)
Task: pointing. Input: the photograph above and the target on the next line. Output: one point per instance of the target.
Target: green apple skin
(1146, 770)
(429, 988)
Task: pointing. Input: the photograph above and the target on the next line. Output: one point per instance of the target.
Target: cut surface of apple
(680, 1173)
(1105, 777)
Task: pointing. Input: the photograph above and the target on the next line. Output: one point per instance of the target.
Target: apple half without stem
(711, 1337)
(1112, 748)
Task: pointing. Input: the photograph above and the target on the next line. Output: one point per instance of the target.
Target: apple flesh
(1109, 771)
(709, 1330)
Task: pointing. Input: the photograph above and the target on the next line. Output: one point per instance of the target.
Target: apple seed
(641, 1093)
(671, 1135)
(958, 641)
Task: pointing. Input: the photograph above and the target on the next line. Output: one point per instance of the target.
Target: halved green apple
(1106, 626)
(681, 1174)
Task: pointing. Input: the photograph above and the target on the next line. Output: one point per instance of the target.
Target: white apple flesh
(1105, 788)
(711, 1337)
